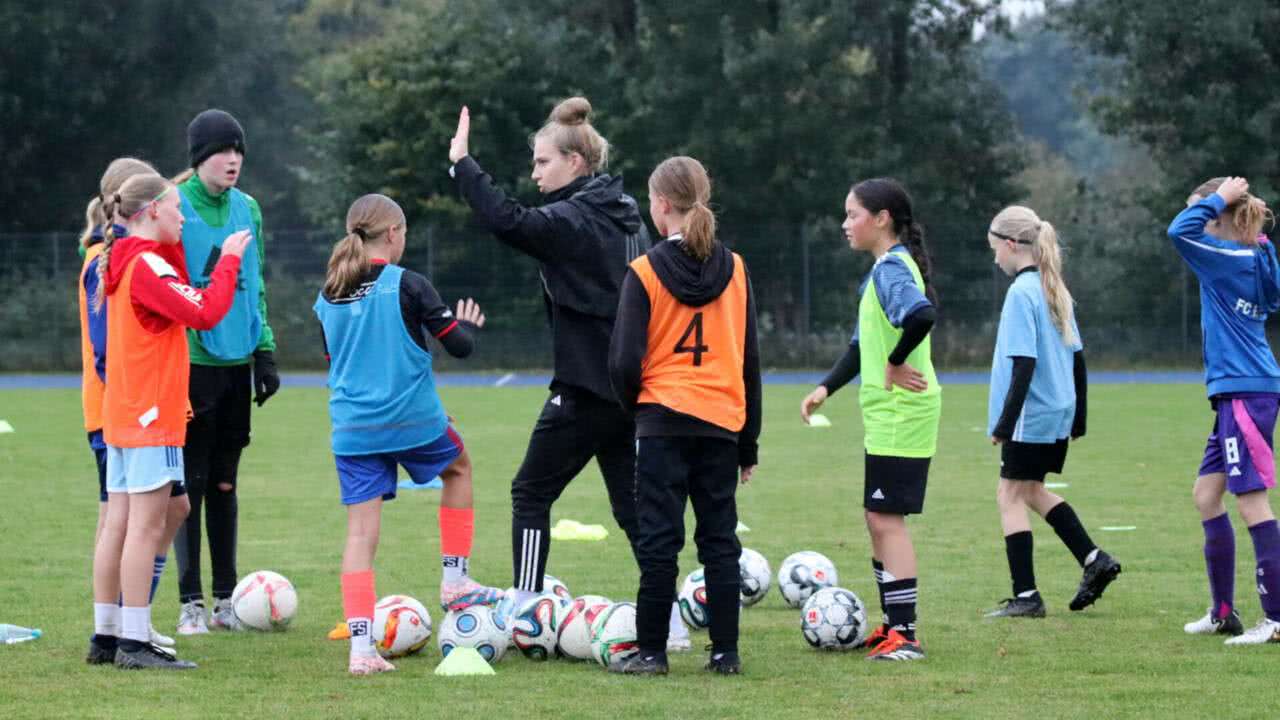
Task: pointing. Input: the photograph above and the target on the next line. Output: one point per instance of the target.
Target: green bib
(896, 422)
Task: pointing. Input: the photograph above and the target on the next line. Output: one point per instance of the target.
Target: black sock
(105, 641)
(900, 603)
(878, 568)
(1065, 522)
(1018, 548)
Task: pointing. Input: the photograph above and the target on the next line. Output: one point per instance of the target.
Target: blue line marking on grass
(315, 379)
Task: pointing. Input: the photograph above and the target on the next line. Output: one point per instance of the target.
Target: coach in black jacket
(583, 240)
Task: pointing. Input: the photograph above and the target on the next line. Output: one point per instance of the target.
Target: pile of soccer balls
(557, 624)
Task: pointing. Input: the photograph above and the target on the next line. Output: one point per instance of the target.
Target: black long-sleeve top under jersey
(583, 240)
(422, 310)
(1024, 369)
(915, 326)
(694, 283)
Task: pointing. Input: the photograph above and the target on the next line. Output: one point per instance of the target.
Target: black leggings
(216, 436)
(574, 427)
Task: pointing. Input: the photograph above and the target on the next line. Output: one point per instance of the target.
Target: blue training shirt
(382, 394)
(1027, 330)
(1239, 287)
(895, 287)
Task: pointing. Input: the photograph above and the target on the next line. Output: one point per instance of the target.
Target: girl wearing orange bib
(685, 360)
(149, 305)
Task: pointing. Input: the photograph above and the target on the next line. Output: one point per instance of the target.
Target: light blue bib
(236, 336)
(382, 393)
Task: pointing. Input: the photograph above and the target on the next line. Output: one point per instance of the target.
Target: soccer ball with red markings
(264, 600)
(536, 624)
(804, 573)
(613, 634)
(401, 626)
(552, 585)
(754, 575)
(834, 619)
(693, 600)
(574, 640)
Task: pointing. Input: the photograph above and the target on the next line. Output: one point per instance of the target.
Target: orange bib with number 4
(693, 364)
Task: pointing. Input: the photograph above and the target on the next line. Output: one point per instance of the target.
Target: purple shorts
(1240, 445)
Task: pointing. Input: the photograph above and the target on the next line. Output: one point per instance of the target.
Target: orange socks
(457, 525)
(358, 599)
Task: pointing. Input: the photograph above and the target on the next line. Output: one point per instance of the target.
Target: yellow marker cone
(464, 661)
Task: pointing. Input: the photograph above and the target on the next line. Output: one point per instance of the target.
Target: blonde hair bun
(574, 111)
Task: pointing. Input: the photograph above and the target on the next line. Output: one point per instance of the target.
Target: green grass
(1124, 657)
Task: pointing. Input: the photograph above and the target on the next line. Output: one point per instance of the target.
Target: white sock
(361, 636)
(676, 626)
(1093, 555)
(136, 623)
(1027, 593)
(522, 596)
(106, 619)
(455, 568)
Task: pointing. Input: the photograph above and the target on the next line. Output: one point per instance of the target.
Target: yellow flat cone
(464, 661)
(817, 420)
(340, 632)
(567, 529)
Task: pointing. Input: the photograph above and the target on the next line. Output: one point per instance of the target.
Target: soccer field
(1124, 657)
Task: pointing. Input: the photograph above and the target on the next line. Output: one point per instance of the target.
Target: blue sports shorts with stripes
(143, 469)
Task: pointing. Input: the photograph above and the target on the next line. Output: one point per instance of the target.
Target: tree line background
(1100, 115)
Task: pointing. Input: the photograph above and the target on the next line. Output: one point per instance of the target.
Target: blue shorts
(1240, 445)
(365, 477)
(143, 469)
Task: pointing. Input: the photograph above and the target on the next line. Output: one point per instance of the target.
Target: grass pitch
(1124, 657)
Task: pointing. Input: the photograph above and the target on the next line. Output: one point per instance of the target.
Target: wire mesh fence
(805, 285)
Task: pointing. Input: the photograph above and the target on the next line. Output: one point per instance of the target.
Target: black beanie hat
(213, 131)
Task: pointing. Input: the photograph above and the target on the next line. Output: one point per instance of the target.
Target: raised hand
(469, 311)
(1232, 189)
(458, 145)
(235, 243)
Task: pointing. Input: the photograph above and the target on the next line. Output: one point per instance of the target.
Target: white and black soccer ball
(264, 600)
(574, 637)
(535, 625)
(804, 573)
(834, 619)
(479, 627)
(755, 576)
(401, 626)
(692, 600)
(613, 634)
(552, 585)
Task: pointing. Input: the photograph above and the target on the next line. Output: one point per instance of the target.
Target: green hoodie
(216, 211)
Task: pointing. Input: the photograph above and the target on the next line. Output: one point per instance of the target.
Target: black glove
(266, 379)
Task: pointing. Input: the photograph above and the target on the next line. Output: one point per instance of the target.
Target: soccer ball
(574, 637)
(479, 627)
(264, 600)
(834, 619)
(804, 573)
(551, 585)
(535, 624)
(401, 626)
(755, 575)
(613, 634)
(693, 600)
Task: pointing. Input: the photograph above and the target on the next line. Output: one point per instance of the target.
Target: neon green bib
(896, 422)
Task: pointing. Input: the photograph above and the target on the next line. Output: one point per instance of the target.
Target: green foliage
(1194, 82)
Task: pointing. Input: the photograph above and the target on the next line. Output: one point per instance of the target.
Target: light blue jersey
(382, 394)
(1027, 330)
(1239, 287)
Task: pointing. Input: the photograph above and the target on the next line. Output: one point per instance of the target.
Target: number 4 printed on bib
(694, 329)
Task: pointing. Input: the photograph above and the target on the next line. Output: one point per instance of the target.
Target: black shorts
(1031, 461)
(895, 485)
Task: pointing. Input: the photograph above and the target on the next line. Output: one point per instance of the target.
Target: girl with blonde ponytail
(684, 359)
(1219, 236)
(1037, 401)
(375, 316)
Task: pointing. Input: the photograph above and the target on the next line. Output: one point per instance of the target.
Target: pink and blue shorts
(1240, 445)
